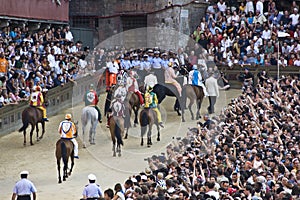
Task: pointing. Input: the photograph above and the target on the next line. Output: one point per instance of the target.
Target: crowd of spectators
(249, 34)
(46, 57)
(250, 151)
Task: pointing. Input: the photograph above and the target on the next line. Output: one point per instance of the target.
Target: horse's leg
(149, 135)
(31, 133)
(72, 163)
(24, 134)
(190, 107)
(93, 132)
(83, 134)
(65, 170)
(177, 105)
(143, 131)
(113, 138)
(58, 169)
(119, 150)
(136, 109)
(158, 131)
(43, 130)
(37, 131)
(199, 102)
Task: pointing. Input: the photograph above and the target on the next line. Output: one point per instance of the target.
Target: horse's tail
(118, 135)
(63, 152)
(25, 123)
(144, 121)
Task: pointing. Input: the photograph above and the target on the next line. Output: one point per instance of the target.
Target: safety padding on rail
(59, 98)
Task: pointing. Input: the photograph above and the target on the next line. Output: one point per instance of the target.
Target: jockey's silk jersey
(91, 98)
(195, 78)
(117, 108)
(150, 100)
(67, 129)
(132, 85)
(36, 99)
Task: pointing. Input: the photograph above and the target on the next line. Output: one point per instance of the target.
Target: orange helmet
(68, 116)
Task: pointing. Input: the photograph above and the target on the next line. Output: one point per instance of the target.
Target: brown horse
(33, 116)
(132, 102)
(194, 94)
(116, 131)
(148, 117)
(64, 150)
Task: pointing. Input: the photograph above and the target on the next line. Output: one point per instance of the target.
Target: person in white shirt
(295, 17)
(282, 62)
(260, 6)
(51, 59)
(249, 7)
(211, 191)
(69, 35)
(285, 49)
(266, 34)
(222, 6)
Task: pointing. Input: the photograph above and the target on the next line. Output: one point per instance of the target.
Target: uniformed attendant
(125, 62)
(156, 67)
(24, 188)
(165, 61)
(92, 191)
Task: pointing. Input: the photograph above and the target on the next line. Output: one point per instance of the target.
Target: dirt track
(40, 161)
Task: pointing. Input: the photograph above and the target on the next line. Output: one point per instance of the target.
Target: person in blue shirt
(24, 188)
(195, 78)
(92, 190)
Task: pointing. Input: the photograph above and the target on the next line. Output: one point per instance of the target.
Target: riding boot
(108, 121)
(99, 114)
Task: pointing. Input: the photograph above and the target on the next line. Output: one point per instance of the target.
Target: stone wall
(182, 16)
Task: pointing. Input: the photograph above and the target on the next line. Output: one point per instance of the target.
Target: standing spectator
(68, 34)
(92, 190)
(3, 65)
(294, 18)
(213, 92)
(222, 6)
(260, 6)
(249, 7)
(24, 188)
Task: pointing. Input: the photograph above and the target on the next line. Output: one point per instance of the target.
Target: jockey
(37, 100)
(151, 102)
(122, 77)
(195, 78)
(121, 90)
(67, 130)
(91, 99)
(117, 108)
(170, 78)
(132, 86)
(150, 80)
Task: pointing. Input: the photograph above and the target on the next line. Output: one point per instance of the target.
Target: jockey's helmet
(170, 64)
(195, 67)
(38, 88)
(68, 116)
(149, 88)
(91, 86)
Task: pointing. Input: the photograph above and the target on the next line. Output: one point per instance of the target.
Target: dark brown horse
(148, 117)
(116, 131)
(132, 102)
(64, 150)
(194, 94)
(33, 116)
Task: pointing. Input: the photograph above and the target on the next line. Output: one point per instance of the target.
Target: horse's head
(45, 96)
(76, 125)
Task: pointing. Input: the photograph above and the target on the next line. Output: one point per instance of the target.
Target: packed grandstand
(248, 151)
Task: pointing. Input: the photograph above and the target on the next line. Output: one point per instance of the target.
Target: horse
(89, 114)
(33, 116)
(132, 102)
(148, 117)
(64, 150)
(162, 90)
(194, 94)
(116, 129)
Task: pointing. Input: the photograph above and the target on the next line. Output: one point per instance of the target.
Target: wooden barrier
(59, 98)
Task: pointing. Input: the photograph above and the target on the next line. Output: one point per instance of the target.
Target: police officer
(92, 191)
(24, 188)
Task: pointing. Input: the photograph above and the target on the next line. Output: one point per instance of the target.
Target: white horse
(89, 114)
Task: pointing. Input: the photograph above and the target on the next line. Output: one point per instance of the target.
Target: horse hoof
(119, 155)
(149, 146)
(59, 181)
(192, 118)
(40, 138)
(92, 143)
(84, 146)
(24, 144)
(142, 144)
(135, 125)
(179, 114)
(31, 144)
(126, 136)
(158, 139)
(114, 154)
(183, 120)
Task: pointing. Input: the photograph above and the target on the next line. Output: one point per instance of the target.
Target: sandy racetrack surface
(40, 161)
